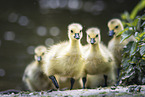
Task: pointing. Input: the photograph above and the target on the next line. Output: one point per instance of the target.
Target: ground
(119, 91)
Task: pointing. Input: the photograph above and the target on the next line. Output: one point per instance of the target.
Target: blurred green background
(25, 24)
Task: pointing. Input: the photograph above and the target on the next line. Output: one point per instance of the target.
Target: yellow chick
(114, 45)
(98, 60)
(65, 59)
(33, 77)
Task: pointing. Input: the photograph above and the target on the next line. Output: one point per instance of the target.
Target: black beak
(93, 40)
(77, 36)
(39, 58)
(111, 33)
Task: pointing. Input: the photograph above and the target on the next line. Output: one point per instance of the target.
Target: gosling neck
(94, 48)
(74, 45)
(39, 63)
(117, 37)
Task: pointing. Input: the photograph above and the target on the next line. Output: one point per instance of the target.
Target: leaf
(133, 48)
(125, 16)
(128, 24)
(136, 51)
(135, 22)
(134, 60)
(129, 70)
(127, 47)
(137, 8)
(142, 50)
(138, 24)
(136, 34)
(138, 68)
(128, 75)
(125, 62)
(126, 29)
(142, 63)
(142, 36)
(126, 35)
(143, 17)
(143, 24)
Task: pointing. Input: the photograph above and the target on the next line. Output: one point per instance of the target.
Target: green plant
(133, 62)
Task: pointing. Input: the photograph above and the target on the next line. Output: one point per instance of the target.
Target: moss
(121, 94)
(91, 96)
(27, 92)
(35, 93)
(103, 93)
(68, 96)
(139, 95)
(16, 96)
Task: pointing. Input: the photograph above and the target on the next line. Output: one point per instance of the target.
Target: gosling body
(94, 81)
(114, 45)
(33, 77)
(98, 59)
(65, 59)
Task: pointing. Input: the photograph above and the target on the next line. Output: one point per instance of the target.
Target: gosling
(98, 59)
(114, 45)
(33, 77)
(65, 59)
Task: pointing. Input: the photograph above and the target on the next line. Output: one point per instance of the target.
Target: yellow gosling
(98, 60)
(33, 76)
(114, 45)
(65, 59)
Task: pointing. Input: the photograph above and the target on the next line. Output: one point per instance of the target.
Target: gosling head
(75, 31)
(115, 26)
(93, 35)
(39, 53)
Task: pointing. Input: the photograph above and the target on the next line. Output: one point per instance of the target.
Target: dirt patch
(119, 91)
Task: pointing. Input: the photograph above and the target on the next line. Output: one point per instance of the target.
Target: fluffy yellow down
(99, 61)
(65, 58)
(114, 44)
(33, 77)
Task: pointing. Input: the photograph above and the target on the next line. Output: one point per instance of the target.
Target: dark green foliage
(133, 62)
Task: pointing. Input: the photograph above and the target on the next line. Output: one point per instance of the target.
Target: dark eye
(80, 30)
(71, 31)
(116, 27)
(89, 36)
(97, 35)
